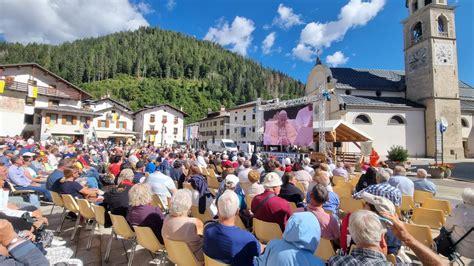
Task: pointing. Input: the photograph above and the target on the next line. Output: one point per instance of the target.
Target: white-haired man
(367, 232)
(400, 181)
(382, 188)
(235, 246)
(460, 221)
(306, 163)
(422, 183)
(243, 175)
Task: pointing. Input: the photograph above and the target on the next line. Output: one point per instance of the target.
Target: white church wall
(410, 135)
(468, 134)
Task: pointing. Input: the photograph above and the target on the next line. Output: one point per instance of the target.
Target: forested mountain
(152, 66)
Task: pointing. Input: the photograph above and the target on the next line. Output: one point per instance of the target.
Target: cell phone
(385, 220)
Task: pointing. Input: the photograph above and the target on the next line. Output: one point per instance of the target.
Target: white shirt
(406, 186)
(53, 161)
(201, 162)
(460, 221)
(161, 185)
(309, 169)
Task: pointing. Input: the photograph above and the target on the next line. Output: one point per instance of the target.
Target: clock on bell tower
(431, 72)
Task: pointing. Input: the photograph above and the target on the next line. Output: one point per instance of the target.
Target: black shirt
(72, 188)
(291, 193)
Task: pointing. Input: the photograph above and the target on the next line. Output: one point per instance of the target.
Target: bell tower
(431, 71)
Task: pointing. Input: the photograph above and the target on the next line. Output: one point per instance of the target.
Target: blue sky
(355, 33)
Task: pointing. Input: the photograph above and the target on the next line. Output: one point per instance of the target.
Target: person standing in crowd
(400, 181)
(268, 207)
(422, 183)
(236, 246)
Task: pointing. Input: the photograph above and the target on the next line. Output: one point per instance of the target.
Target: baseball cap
(272, 180)
(28, 154)
(381, 204)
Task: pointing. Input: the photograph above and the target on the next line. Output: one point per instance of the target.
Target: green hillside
(152, 66)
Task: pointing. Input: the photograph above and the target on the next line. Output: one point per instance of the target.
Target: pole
(442, 148)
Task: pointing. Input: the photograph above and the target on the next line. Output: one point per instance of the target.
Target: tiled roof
(376, 79)
(467, 105)
(369, 79)
(368, 101)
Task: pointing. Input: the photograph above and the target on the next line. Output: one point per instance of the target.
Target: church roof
(369, 79)
(373, 101)
(467, 105)
(379, 80)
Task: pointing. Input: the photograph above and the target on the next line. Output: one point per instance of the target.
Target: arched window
(396, 120)
(362, 119)
(442, 24)
(464, 122)
(417, 33)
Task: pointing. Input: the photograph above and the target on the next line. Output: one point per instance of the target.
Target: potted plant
(440, 170)
(397, 155)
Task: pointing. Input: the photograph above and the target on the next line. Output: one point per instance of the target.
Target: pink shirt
(328, 223)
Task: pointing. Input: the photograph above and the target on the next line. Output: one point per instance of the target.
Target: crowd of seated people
(125, 180)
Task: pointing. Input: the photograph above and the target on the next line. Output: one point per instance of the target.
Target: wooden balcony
(67, 93)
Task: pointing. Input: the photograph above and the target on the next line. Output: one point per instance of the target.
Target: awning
(115, 134)
(340, 131)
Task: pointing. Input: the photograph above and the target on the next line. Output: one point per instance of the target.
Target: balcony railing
(67, 93)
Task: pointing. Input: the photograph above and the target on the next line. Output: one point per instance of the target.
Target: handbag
(445, 245)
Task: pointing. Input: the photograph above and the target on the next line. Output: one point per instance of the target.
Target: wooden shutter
(117, 124)
(48, 118)
(107, 123)
(98, 123)
(63, 119)
(74, 120)
(125, 124)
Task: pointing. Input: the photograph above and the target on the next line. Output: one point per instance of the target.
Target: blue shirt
(230, 244)
(52, 182)
(5, 160)
(403, 183)
(17, 176)
(332, 204)
(150, 167)
(425, 185)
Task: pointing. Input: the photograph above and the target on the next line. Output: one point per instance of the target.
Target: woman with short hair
(141, 212)
(179, 227)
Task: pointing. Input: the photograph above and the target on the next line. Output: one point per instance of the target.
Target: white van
(221, 145)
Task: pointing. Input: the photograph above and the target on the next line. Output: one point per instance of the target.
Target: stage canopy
(340, 131)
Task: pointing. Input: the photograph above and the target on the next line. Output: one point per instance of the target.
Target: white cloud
(354, 14)
(56, 21)
(239, 34)
(336, 59)
(170, 4)
(304, 52)
(286, 18)
(268, 42)
(144, 8)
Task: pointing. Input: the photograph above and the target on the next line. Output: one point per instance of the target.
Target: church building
(425, 108)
